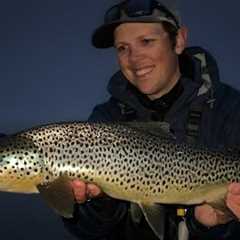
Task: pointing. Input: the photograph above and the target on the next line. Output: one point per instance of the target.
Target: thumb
(234, 188)
(93, 190)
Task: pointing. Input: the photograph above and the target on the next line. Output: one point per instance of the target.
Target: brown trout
(126, 162)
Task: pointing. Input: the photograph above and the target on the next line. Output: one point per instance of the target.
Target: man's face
(147, 58)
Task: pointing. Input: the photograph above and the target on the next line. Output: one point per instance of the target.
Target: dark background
(49, 72)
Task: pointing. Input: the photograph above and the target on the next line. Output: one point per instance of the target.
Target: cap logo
(138, 13)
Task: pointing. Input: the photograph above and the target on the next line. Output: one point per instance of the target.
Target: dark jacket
(204, 101)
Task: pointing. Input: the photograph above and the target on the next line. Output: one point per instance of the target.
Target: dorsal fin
(158, 129)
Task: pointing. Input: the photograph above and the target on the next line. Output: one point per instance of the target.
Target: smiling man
(147, 57)
(160, 80)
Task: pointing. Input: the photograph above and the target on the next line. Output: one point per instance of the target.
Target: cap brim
(103, 37)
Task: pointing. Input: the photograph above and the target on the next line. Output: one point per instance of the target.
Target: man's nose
(136, 54)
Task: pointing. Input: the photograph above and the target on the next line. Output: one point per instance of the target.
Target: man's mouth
(143, 71)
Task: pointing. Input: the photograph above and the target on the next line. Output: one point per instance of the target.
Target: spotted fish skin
(20, 165)
(126, 163)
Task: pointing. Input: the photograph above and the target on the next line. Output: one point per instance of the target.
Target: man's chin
(147, 93)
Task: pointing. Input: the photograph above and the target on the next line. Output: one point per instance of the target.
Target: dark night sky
(50, 72)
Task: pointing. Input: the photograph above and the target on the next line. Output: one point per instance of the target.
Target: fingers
(222, 218)
(93, 190)
(233, 199)
(234, 206)
(83, 191)
(210, 217)
(234, 188)
(205, 214)
(79, 191)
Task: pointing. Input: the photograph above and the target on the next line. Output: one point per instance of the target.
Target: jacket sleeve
(97, 219)
(230, 112)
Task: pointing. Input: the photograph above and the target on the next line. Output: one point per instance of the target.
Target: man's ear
(181, 39)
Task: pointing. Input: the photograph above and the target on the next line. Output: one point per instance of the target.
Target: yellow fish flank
(127, 162)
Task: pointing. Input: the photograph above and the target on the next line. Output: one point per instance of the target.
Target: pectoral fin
(59, 196)
(155, 216)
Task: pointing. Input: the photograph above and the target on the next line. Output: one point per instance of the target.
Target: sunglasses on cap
(138, 8)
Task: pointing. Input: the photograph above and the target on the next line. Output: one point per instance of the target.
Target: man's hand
(211, 217)
(83, 191)
(233, 199)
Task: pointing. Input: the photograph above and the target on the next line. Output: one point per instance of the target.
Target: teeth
(143, 71)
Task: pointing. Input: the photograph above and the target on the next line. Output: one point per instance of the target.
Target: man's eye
(121, 49)
(147, 40)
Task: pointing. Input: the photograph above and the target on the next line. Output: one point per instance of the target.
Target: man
(160, 80)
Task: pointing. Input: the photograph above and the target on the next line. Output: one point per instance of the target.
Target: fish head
(20, 165)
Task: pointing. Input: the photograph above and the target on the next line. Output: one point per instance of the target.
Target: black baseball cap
(131, 11)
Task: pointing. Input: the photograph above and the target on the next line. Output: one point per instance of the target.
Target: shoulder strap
(194, 123)
(195, 113)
